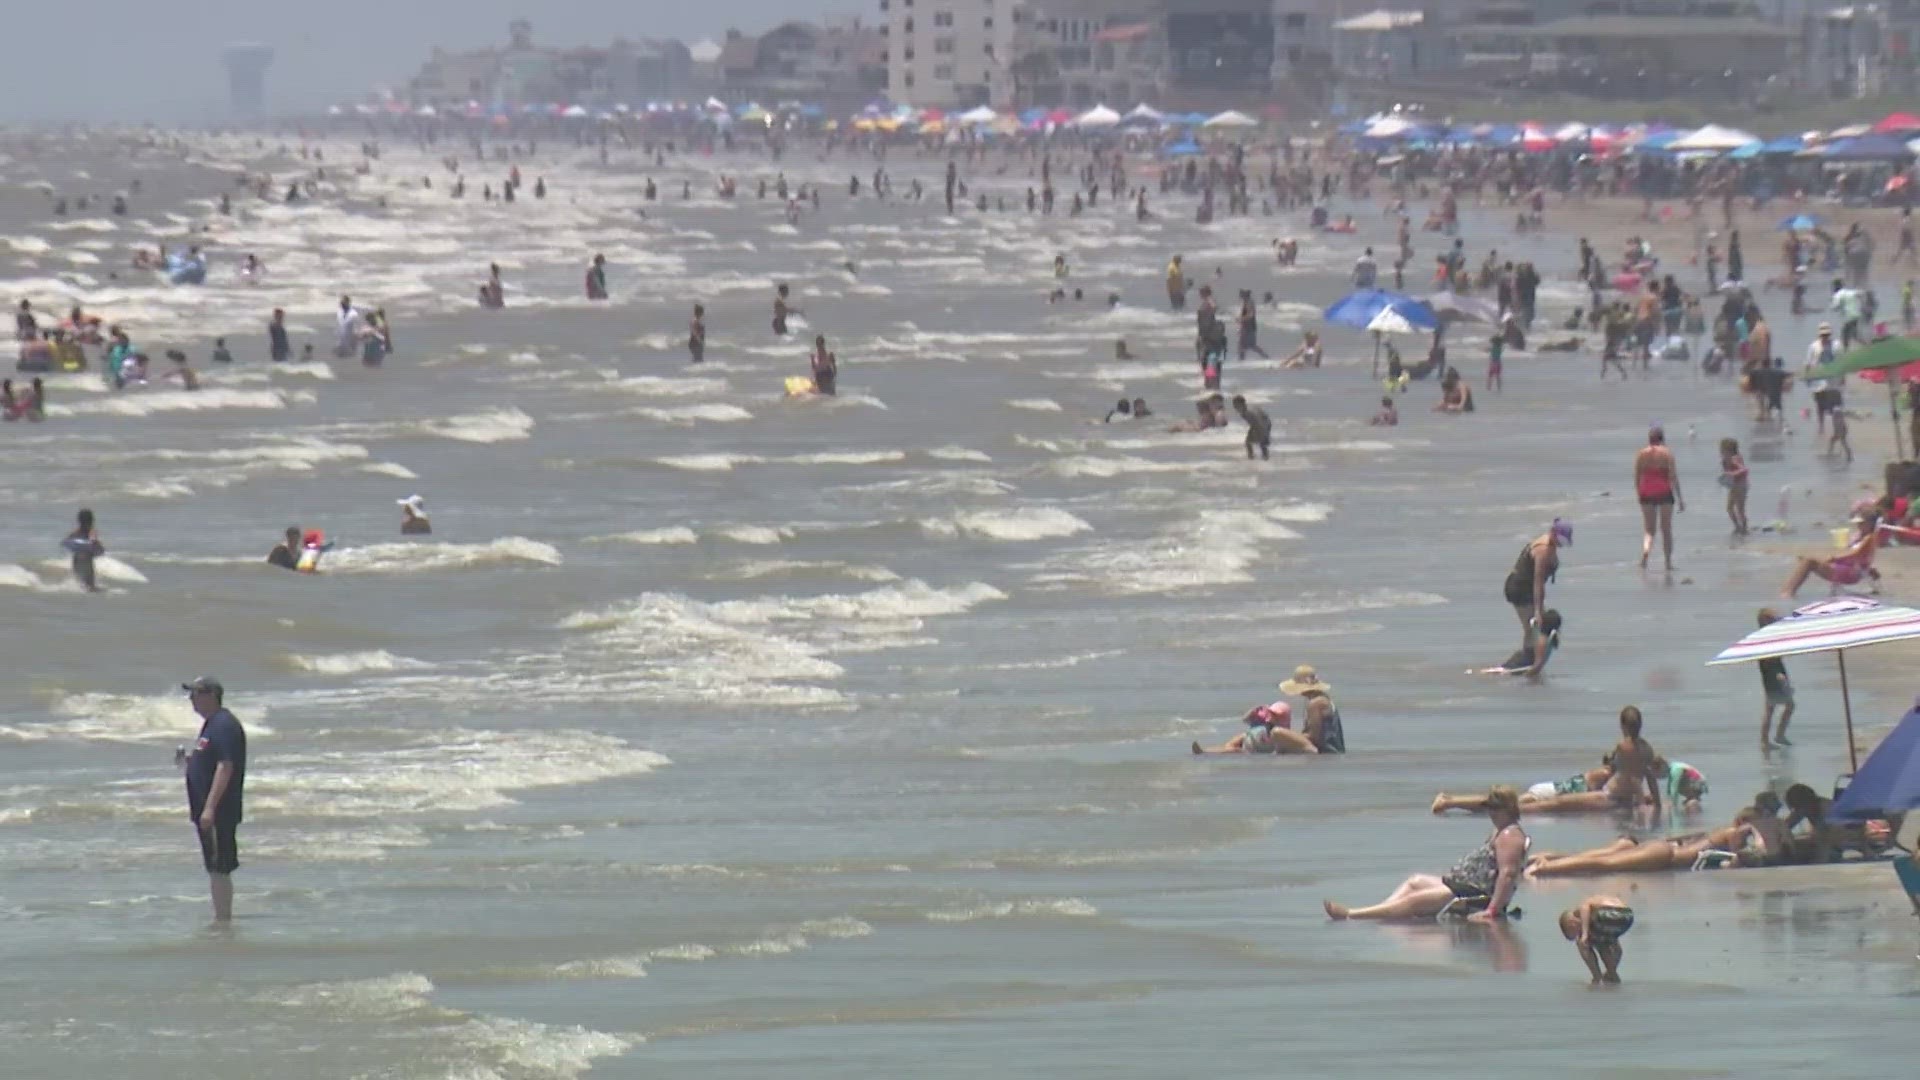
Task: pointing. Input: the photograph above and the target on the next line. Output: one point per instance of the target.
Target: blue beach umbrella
(1889, 781)
(1800, 223)
(1357, 309)
(1183, 148)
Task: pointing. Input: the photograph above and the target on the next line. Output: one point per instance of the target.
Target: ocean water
(717, 733)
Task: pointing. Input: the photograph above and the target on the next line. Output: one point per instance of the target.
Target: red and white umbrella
(1836, 625)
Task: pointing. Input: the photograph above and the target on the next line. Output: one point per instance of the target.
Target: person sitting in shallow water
(1489, 874)
(1595, 927)
(1269, 731)
(1388, 416)
(1532, 659)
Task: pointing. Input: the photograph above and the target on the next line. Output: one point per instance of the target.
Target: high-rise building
(247, 64)
(949, 52)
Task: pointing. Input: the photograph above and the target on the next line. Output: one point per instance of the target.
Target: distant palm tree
(1031, 70)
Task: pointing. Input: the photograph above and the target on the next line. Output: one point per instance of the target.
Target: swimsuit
(1519, 586)
(1655, 488)
(1333, 737)
(1476, 874)
(1605, 925)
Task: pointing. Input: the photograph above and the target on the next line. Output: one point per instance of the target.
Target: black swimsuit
(1519, 586)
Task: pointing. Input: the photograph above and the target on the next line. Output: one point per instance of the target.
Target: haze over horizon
(126, 60)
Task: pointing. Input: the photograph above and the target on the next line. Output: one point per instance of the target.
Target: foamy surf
(149, 402)
(1035, 404)
(403, 558)
(124, 718)
(354, 663)
(1031, 523)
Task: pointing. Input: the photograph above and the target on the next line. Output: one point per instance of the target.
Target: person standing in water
(1259, 427)
(597, 278)
(216, 770)
(1656, 481)
(84, 545)
(826, 367)
(781, 310)
(697, 334)
(277, 344)
(1176, 285)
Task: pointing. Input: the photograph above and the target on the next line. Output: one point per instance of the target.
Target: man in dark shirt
(286, 554)
(1259, 426)
(216, 769)
(25, 326)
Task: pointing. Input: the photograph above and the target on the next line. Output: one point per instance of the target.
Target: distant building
(1176, 53)
(247, 64)
(522, 72)
(949, 53)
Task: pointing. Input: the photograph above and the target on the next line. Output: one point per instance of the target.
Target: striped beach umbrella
(1836, 625)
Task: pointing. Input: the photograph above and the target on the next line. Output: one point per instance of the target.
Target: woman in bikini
(1658, 855)
(1657, 482)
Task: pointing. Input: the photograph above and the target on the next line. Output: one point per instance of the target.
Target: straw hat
(1305, 681)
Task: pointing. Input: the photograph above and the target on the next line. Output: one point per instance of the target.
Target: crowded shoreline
(1343, 392)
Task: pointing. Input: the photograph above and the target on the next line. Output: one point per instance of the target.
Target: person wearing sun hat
(1322, 727)
(413, 516)
(1526, 584)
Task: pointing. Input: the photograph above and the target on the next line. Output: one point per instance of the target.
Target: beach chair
(1851, 573)
(1715, 860)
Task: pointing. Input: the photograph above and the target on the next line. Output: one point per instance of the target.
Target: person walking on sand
(1657, 483)
(1595, 927)
(1778, 690)
(216, 771)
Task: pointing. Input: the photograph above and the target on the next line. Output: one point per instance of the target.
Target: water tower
(247, 64)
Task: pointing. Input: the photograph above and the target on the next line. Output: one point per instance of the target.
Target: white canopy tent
(1713, 138)
(1231, 119)
(979, 114)
(1097, 117)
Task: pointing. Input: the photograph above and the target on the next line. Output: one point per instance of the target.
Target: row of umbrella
(1892, 139)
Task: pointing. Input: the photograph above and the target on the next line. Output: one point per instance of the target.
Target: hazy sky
(160, 59)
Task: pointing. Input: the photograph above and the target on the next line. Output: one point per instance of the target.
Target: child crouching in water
(1595, 928)
(1532, 660)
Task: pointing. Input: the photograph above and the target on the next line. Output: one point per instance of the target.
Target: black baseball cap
(204, 682)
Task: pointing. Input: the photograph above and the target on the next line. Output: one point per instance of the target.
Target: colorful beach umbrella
(1887, 354)
(1888, 782)
(1847, 622)
(1900, 123)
